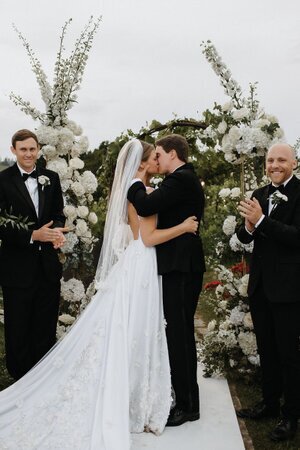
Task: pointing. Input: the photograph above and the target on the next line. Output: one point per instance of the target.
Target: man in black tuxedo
(272, 220)
(181, 264)
(30, 271)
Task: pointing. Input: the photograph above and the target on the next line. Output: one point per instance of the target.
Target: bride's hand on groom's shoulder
(190, 224)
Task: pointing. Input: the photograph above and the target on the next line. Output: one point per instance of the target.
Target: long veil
(117, 232)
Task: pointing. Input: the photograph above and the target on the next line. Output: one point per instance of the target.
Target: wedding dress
(110, 374)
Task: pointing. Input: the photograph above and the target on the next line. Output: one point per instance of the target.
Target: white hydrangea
(47, 135)
(243, 287)
(78, 189)
(76, 163)
(71, 241)
(76, 129)
(229, 225)
(255, 360)
(237, 246)
(70, 212)
(65, 141)
(236, 316)
(72, 290)
(89, 182)
(81, 228)
(49, 151)
(60, 166)
(66, 319)
(247, 321)
(228, 338)
(247, 342)
(83, 144)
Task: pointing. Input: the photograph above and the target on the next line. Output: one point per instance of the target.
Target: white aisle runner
(217, 428)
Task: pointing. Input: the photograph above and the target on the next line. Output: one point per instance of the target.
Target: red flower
(212, 284)
(239, 268)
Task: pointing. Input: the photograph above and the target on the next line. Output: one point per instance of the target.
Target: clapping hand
(47, 234)
(251, 210)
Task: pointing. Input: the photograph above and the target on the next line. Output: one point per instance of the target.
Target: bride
(110, 374)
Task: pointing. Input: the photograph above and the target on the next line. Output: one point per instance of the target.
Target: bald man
(272, 221)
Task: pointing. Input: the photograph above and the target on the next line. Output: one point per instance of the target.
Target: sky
(146, 62)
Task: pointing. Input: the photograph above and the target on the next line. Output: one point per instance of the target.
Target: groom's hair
(177, 143)
(22, 135)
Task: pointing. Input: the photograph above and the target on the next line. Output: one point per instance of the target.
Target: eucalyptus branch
(18, 222)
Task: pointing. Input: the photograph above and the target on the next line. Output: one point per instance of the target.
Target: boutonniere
(277, 198)
(44, 181)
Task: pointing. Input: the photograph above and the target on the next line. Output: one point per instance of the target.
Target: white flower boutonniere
(278, 197)
(44, 181)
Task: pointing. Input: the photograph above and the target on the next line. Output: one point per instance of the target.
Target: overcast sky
(146, 62)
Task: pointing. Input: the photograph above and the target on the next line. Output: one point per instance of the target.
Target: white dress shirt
(32, 187)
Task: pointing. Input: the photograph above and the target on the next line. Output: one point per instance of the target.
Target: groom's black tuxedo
(181, 262)
(274, 296)
(29, 272)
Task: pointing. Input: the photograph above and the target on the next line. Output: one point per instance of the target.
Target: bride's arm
(152, 236)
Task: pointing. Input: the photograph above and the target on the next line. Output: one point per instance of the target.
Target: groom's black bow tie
(27, 175)
(272, 189)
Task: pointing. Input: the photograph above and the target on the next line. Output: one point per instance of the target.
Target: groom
(181, 264)
(30, 271)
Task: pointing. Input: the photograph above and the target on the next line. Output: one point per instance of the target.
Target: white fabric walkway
(217, 428)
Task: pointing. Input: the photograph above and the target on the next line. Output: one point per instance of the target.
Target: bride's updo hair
(147, 150)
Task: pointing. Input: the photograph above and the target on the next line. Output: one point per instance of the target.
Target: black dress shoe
(258, 411)
(284, 430)
(178, 417)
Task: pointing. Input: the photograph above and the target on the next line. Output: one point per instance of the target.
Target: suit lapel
(18, 181)
(41, 191)
(265, 201)
(283, 205)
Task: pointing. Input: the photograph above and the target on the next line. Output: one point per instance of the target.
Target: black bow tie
(272, 189)
(27, 175)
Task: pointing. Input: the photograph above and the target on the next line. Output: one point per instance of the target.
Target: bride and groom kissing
(111, 373)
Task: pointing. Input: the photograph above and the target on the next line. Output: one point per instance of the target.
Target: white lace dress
(109, 375)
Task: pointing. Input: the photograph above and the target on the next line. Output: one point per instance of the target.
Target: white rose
(225, 192)
(235, 192)
(82, 211)
(227, 106)
(93, 218)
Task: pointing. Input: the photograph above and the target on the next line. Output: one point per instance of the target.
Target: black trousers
(30, 318)
(180, 296)
(277, 329)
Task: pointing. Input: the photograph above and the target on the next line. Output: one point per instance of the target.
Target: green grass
(258, 430)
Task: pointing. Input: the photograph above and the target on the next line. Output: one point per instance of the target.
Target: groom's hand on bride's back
(190, 224)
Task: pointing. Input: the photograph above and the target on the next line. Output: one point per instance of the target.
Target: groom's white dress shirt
(32, 187)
